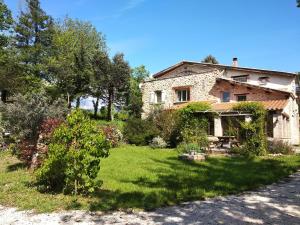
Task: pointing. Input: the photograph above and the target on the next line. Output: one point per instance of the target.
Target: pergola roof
(271, 105)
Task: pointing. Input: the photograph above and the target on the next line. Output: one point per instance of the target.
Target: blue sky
(159, 33)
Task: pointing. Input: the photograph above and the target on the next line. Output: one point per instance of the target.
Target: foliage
(145, 178)
(168, 123)
(252, 133)
(139, 132)
(116, 83)
(158, 142)
(73, 160)
(298, 3)
(210, 59)
(23, 119)
(277, 146)
(194, 123)
(34, 31)
(135, 103)
(188, 148)
(6, 22)
(112, 134)
(75, 45)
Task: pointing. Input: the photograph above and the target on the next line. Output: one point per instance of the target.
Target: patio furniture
(230, 140)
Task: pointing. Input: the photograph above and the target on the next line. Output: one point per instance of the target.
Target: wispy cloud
(130, 5)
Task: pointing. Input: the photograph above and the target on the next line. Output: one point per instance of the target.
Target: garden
(55, 155)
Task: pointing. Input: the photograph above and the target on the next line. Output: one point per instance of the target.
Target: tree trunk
(4, 96)
(77, 102)
(96, 106)
(110, 116)
(69, 101)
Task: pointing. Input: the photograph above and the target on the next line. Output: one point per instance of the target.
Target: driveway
(274, 204)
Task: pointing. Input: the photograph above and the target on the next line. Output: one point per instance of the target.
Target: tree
(75, 46)
(135, 103)
(210, 59)
(34, 31)
(116, 83)
(6, 22)
(298, 3)
(102, 66)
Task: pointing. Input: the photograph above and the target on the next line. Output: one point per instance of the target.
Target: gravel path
(274, 204)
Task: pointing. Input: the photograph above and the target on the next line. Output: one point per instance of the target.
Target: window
(158, 96)
(183, 95)
(225, 96)
(263, 80)
(241, 98)
(242, 78)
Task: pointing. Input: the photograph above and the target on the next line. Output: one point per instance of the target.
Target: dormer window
(240, 78)
(263, 80)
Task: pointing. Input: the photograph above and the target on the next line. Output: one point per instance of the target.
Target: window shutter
(163, 96)
(151, 100)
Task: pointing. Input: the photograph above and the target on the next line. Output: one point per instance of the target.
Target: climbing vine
(252, 133)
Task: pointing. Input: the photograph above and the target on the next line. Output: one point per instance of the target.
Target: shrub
(73, 160)
(188, 148)
(140, 132)
(158, 142)
(277, 146)
(252, 133)
(167, 123)
(113, 134)
(23, 119)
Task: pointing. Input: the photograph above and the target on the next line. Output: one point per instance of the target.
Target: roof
(244, 69)
(270, 105)
(254, 86)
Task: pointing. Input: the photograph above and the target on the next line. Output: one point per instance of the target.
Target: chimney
(235, 62)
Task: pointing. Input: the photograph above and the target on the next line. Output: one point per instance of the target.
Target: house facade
(223, 86)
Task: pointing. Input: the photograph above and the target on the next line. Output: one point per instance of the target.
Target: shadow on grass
(15, 167)
(183, 181)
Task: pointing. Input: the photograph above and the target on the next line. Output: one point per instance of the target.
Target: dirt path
(275, 204)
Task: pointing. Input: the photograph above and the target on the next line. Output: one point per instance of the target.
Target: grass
(143, 178)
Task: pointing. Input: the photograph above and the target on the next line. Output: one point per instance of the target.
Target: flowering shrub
(113, 134)
(158, 142)
(279, 147)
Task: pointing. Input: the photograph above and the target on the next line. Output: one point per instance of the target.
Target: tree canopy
(210, 59)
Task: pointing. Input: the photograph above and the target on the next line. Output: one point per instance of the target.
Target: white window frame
(182, 95)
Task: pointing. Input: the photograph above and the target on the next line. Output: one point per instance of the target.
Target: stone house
(222, 86)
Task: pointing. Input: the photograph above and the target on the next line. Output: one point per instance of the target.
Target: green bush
(189, 148)
(73, 160)
(140, 132)
(279, 147)
(168, 125)
(252, 133)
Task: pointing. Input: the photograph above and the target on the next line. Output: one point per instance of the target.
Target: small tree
(210, 59)
(73, 160)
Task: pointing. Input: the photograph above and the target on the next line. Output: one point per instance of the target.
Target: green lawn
(140, 177)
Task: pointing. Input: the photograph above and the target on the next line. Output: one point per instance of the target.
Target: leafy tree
(210, 59)
(135, 103)
(75, 46)
(102, 66)
(34, 31)
(298, 3)
(116, 83)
